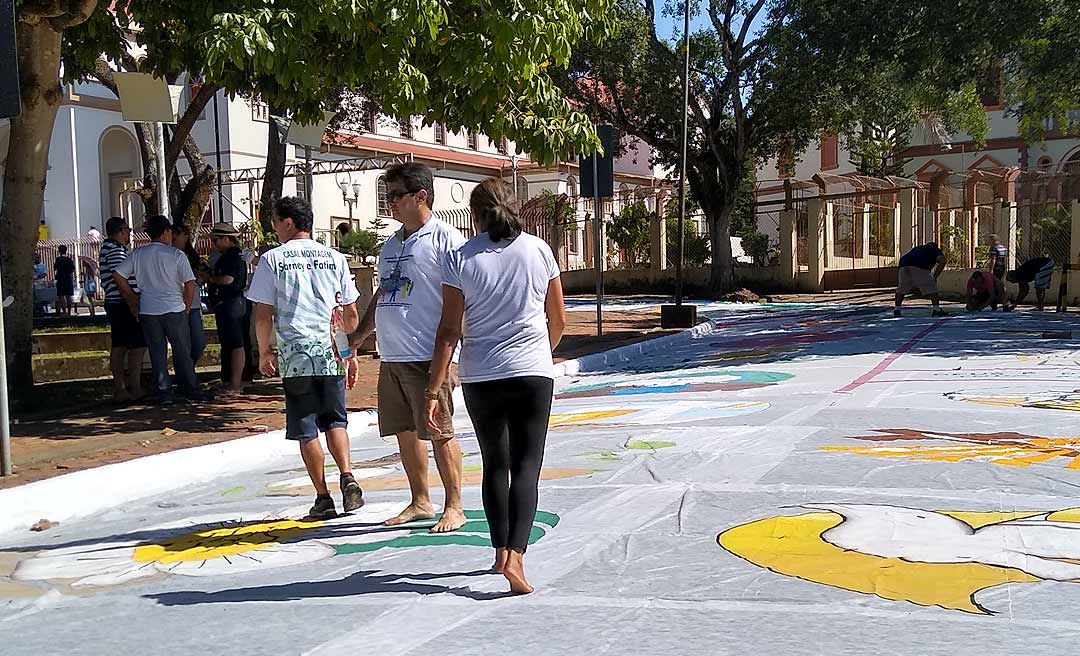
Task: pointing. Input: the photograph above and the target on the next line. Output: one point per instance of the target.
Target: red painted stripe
(884, 364)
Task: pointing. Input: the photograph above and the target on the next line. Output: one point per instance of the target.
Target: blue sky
(667, 27)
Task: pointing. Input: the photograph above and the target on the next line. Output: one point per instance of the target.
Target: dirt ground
(80, 430)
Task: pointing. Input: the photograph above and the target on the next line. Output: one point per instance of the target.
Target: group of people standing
(153, 301)
(920, 268)
(493, 304)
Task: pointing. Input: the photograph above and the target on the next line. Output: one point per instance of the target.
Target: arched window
(572, 187)
(522, 189)
(440, 134)
(383, 206)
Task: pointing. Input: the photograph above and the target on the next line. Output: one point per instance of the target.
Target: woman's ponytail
(494, 210)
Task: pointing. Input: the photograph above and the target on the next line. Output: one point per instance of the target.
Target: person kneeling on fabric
(982, 290)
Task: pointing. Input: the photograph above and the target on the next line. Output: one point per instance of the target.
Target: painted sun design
(1045, 401)
(1009, 449)
(225, 545)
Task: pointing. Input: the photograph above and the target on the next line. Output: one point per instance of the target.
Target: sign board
(147, 99)
(605, 165)
(10, 96)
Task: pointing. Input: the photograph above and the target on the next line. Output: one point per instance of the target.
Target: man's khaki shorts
(402, 405)
(911, 278)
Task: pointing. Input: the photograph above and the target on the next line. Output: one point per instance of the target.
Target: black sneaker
(323, 508)
(896, 313)
(352, 497)
(938, 312)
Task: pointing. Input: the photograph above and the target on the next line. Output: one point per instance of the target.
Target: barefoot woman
(506, 286)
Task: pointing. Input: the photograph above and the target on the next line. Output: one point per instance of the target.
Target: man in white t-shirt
(162, 304)
(300, 290)
(405, 313)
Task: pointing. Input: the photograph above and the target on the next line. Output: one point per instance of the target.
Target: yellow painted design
(1067, 515)
(1014, 453)
(569, 418)
(223, 541)
(977, 520)
(793, 546)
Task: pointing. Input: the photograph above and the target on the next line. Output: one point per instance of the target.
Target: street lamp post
(344, 185)
(679, 315)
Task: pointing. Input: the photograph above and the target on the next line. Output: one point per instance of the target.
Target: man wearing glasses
(128, 343)
(405, 313)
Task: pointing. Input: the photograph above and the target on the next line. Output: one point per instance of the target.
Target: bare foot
(452, 519)
(514, 571)
(413, 513)
(500, 561)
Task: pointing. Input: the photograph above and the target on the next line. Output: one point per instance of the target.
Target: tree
(758, 91)
(363, 244)
(40, 30)
(463, 64)
(630, 229)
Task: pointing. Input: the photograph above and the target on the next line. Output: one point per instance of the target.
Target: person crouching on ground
(919, 270)
(984, 289)
(296, 289)
(1038, 270)
(502, 297)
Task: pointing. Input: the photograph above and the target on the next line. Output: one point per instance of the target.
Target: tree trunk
(722, 274)
(24, 192)
(274, 178)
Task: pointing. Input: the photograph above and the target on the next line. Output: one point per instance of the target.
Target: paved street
(794, 479)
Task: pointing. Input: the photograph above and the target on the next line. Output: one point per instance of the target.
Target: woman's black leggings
(510, 417)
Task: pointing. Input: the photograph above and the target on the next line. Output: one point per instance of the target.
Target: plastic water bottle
(340, 337)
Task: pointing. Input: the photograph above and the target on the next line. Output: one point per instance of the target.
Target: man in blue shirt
(919, 271)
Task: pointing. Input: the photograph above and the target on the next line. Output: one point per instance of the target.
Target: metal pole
(307, 175)
(217, 147)
(5, 423)
(163, 175)
(597, 248)
(513, 165)
(682, 161)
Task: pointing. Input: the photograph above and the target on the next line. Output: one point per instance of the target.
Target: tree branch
(183, 128)
(748, 21)
(41, 9)
(650, 13)
(76, 13)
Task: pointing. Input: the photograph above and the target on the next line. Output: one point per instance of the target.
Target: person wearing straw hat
(226, 286)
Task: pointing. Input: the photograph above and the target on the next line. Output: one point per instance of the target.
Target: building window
(301, 188)
(504, 146)
(474, 143)
(383, 208)
(371, 122)
(830, 152)
(440, 134)
(522, 189)
(259, 111)
(785, 166)
(405, 128)
(1044, 164)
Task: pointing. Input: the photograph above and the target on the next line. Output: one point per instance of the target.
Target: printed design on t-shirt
(309, 358)
(303, 351)
(396, 287)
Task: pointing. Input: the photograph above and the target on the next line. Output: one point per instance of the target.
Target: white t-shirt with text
(505, 287)
(162, 272)
(304, 281)
(410, 281)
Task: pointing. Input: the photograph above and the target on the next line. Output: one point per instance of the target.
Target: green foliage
(954, 243)
(756, 245)
(696, 247)
(462, 64)
(630, 229)
(361, 243)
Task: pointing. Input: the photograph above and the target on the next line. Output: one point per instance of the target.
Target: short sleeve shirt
(304, 281)
(505, 288)
(410, 281)
(65, 268)
(984, 283)
(231, 263)
(1002, 258)
(922, 257)
(162, 272)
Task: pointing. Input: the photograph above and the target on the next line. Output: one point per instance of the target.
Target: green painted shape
(602, 455)
(648, 445)
(474, 533)
(476, 467)
(232, 491)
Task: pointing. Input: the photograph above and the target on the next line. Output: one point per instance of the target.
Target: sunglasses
(394, 196)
